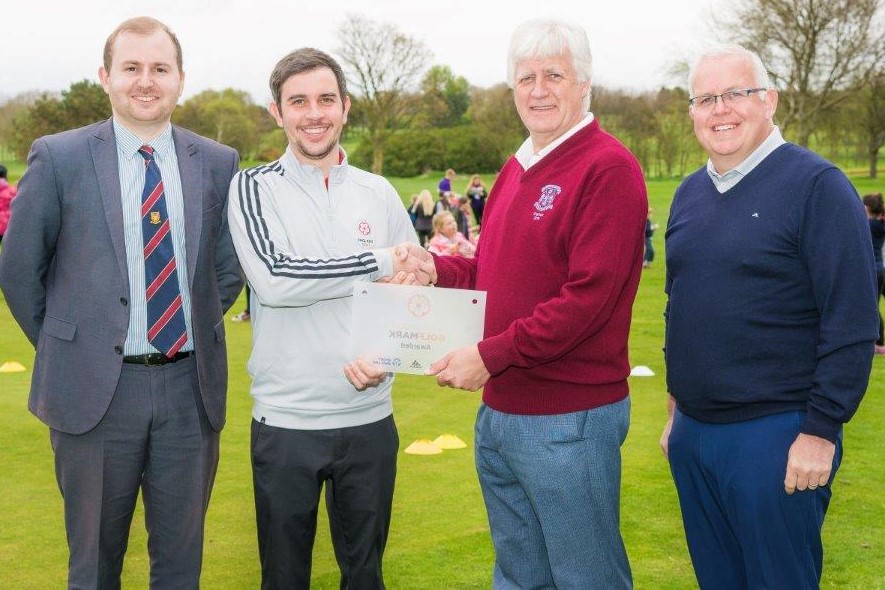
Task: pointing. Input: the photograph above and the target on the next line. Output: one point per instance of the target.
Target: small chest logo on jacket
(365, 237)
(545, 201)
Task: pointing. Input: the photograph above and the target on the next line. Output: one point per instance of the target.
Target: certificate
(405, 329)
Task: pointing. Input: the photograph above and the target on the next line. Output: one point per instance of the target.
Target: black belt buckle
(155, 359)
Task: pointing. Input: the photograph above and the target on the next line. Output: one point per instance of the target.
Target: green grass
(406, 187)
(439, 537)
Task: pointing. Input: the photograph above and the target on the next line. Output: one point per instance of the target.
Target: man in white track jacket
(306, 228)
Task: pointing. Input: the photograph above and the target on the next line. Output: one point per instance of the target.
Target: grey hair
(760, 73)
(547, 37)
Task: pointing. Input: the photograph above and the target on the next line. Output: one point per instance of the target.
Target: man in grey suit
(113, 220)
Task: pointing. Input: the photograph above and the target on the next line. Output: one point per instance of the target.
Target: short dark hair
(2, 171)
(874, 203)
(303, 60)
(140, 25)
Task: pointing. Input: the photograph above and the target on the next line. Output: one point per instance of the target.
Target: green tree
(9, 111)
(675, 146)
(495, 118)
(227, 116)
(631, 118)
(444, 98)
(83, 103)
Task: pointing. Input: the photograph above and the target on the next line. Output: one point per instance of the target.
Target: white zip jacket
(303, 246)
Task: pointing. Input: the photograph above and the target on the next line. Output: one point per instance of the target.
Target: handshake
(412, 265)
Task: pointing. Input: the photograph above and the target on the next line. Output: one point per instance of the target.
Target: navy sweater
(772, 295)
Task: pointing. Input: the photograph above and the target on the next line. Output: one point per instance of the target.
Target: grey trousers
(155, 437)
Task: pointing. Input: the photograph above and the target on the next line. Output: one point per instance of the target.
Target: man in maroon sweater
(560, 257)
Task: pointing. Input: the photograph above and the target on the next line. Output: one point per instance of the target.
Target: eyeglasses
(732, 97)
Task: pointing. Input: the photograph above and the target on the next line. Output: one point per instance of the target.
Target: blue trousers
(742, 528)
(551, 486)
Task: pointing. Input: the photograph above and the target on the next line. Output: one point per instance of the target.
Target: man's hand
(400, 278)
(665, 437)
(808, 463)
(462, 368)
(363, 375)
(411, 258)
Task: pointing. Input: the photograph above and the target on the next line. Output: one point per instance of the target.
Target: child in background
(447, 240)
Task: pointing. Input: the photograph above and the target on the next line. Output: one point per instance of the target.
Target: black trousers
(289, 467)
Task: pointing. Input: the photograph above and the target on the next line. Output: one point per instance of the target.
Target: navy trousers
(742, 528)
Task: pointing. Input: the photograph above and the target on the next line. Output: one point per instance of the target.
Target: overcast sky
(48, 44)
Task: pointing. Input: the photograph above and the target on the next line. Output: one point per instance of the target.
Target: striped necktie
(165, 317)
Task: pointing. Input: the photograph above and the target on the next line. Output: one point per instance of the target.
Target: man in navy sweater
(771, 321)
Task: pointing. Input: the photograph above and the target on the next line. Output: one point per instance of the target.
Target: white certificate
(404, 329)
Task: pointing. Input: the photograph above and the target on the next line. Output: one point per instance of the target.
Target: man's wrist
(384, 258)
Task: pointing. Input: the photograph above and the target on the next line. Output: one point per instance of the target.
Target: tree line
(409, 117)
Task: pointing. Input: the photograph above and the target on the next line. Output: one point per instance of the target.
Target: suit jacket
(64, 275)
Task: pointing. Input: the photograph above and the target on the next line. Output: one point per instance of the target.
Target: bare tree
(813, 48)
(383, 65)
(871, 101)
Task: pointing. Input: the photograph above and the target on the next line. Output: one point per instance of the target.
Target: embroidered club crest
(155, 217)
(548, 194)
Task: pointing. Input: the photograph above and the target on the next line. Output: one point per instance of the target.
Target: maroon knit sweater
(560, 256)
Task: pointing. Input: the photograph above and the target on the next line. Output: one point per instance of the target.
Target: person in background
(460, 210)
(447, 240)
(118, 266)
(476, 192)
(650, 227)
(244, 316)
(770, 327)
(319, 419)
(7, 193)
(423, 212)
(561, 258)
(444, 188)
(445, 202)
(411, 208)
(875, 210)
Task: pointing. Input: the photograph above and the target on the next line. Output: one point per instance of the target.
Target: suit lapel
(190, 167)
(103, 147)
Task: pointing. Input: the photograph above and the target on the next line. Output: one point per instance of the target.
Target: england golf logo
(545, 201)
(365, 237)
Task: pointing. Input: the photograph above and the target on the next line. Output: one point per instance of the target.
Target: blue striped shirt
(132, 169)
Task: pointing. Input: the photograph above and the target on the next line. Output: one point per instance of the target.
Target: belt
(156, 358)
